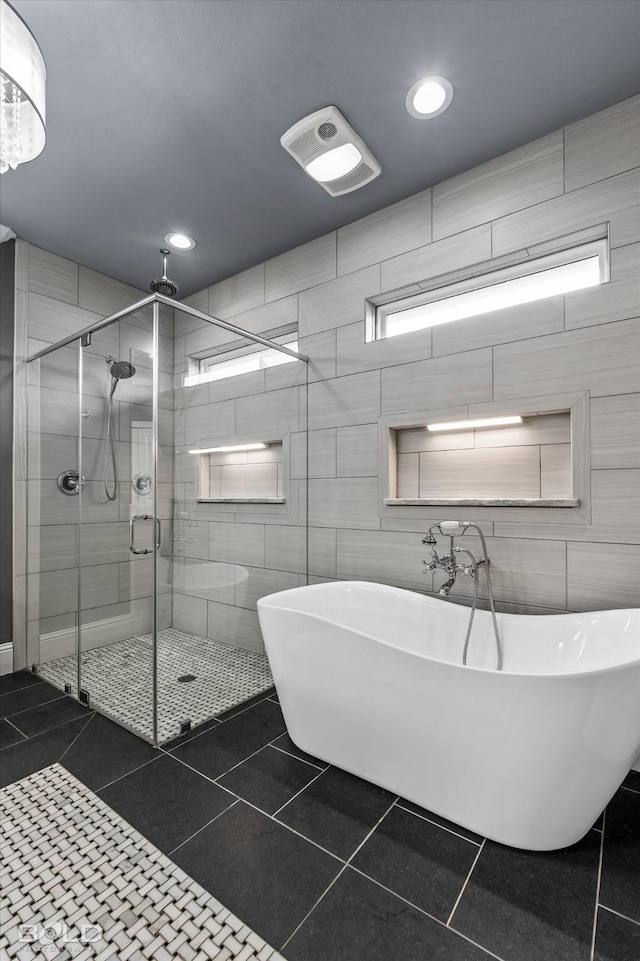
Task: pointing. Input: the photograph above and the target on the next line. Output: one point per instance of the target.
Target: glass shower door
(119, 531)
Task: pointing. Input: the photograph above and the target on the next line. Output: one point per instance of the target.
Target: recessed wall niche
(542, 462)
(528, 461)
(243, 476)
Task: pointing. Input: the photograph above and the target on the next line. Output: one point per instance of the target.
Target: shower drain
(186, 677)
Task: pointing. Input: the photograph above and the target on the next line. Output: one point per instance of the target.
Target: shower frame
(83, 339)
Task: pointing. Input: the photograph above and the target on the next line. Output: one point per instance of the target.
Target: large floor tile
(224, 746)
(265, 874)
(269, 779)
(46, 716)
(32, 755)
(166, 801)
(17, 681)
(532, 906)
(443, 822)
(632, 781)
(104, 752)
(620, 882)
(417, 860)
(239, 708)
(359, 921)
(284, 743)
(337, 811)
(15, 702)
(617, 939)
(9, 734)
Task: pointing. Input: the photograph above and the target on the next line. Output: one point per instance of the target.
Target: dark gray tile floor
(327, 867)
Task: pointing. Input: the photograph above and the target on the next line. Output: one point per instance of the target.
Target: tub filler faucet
(449, 564)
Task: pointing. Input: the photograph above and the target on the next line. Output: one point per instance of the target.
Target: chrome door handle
(143, 517)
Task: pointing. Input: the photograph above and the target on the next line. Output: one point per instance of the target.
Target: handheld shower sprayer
(447, 529)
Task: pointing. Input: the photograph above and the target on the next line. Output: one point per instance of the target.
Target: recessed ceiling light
(429, 97)
(336, 163)
(180, 241)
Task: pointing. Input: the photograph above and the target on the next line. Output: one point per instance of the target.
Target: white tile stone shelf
(118, 679)
(75, 868)
(241, 500)
(483, 502)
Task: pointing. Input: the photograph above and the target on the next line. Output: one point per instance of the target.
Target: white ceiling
(166, 114)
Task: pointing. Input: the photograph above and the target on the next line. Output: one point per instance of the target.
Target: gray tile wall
(578, 178)
(586, 175)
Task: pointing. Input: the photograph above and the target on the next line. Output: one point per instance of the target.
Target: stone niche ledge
(482, 502)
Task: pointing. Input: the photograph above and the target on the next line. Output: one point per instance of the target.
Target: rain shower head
(162, 285)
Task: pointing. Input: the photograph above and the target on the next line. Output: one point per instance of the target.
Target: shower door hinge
(85, 340)
(185, 727)
(67, 689)
(83, 697)
(34, 668)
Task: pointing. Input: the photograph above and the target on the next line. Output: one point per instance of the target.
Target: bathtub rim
(267, 602)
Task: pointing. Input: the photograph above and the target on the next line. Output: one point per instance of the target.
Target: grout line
(597, 897)
(282, 806)
(122, 776)
(340, 873)
(625, 917)
(48, 729)
(26, 710)
(6, 719)
(432, 917)
(462, 890)
(18, 689)
(84, 728)
(625, 787)
(441, 826)
(295, 757)
(195, 833)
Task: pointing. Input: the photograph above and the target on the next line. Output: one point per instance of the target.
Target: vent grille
(306, 146)
(327, 130)
(351, 180)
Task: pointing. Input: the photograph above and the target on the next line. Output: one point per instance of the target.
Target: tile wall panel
(237, 294)
(616, 300)
(615, 431)
(603, 145)
(344, 401)
(440, 257)
(602, 359)
(53, 276)
(616, 200)
(339, 302)
(518, 179)
(506, 205)
(440, 382)
(306, 266)
(386, 233)
(601, 576)
(357, 451)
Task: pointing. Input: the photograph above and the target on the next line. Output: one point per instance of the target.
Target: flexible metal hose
(111, 495)
(475, 602)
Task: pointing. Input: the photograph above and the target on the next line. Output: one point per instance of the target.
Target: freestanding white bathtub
(370, 679)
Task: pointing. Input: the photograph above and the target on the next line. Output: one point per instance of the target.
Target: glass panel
(118, 525)
(52, 533)
(239, 518)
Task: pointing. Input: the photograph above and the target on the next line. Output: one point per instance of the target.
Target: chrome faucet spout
(445, 590)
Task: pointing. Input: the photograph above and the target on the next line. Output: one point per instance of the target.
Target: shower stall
(167, 493)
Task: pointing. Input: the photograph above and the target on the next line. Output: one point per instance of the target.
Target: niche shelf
(542, 463)
(242, 476)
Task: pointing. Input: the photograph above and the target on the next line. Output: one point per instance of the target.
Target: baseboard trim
(6, 658)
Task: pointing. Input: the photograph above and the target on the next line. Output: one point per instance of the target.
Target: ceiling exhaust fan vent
(320, 134)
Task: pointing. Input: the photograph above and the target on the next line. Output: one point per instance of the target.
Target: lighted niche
(533, 458)
(242, 473)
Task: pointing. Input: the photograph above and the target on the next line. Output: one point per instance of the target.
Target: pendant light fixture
(22, 91)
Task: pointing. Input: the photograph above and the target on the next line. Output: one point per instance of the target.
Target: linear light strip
(482, 422)
(539, 285)
(215, 450)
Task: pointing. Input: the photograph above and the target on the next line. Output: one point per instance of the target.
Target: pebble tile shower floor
(118, 679)
(319, 864)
